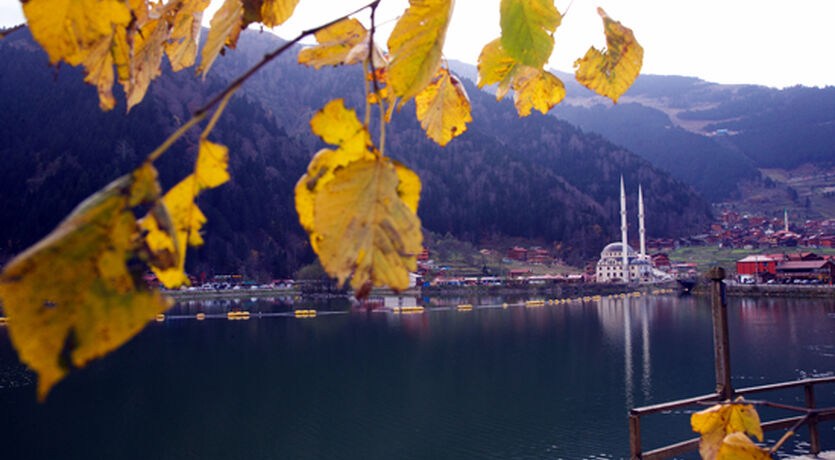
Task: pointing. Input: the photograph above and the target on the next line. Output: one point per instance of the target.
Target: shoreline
(563, 290)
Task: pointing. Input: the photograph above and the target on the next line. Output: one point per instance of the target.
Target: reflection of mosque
(616, 316)
(619, 262)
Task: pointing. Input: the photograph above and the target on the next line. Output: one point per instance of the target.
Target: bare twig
(380, 101)
(788, 434)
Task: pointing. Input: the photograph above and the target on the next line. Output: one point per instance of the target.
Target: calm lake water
(548, 382)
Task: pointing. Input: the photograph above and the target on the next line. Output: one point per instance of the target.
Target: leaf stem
(217, 113)
(196, 118)
(373, 7)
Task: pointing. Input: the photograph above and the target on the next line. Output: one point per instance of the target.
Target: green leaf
(527, 28)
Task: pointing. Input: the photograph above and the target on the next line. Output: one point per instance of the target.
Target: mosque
(619, 262)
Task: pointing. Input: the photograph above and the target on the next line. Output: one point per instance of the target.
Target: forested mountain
(537, 178)
(708, 135)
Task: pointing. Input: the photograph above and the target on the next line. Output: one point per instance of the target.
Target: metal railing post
(814, 435)
(635, 436)
(721, 347)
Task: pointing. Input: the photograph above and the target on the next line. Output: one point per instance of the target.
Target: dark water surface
(547, 382)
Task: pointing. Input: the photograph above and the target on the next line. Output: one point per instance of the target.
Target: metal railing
(724, 391)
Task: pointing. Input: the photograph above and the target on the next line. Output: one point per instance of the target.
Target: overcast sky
(727, 41)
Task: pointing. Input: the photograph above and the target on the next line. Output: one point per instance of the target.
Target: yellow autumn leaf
(74, 291)
(148, 48)
(320, 172)
(98, 66)
(415, 46)
(212, 164)
(496, 66)
(611, 72)
(275, 12)
(720, 420)
(408, 189)
(68, 29)
(737, 446)
(335, 44)
(187, 219)
(181, 46)
(337, 125)
(443, 108)
(744, 418)
(364, 228)
(536, 89)
(225, 29)
(161, 250)
(527, 28)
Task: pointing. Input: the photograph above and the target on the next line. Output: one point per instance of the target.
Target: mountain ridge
(537, 178)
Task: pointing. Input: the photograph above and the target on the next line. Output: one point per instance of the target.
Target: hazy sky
(727, 41)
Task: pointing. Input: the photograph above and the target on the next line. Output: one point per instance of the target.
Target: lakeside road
(564, 290)
(771, 290)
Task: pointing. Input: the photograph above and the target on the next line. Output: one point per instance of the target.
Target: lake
(513, 383)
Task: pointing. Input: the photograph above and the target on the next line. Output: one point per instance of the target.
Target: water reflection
(503, 380)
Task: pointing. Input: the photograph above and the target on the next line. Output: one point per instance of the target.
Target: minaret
(642, 230)
(786, 218)
(624, 243)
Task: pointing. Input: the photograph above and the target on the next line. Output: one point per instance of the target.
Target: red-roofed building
(517, 253)
(755, 268)
(821, 270)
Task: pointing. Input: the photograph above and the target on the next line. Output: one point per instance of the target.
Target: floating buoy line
(411, 310)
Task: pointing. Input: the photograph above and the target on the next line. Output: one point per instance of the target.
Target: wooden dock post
(721, 347)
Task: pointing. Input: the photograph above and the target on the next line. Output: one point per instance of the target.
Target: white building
(625, 265)
(610, 265)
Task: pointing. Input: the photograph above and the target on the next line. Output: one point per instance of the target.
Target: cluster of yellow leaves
(131, 36)
(359, 207)
(77, 291)
(516, 60)
(723, 429)
(412, 68)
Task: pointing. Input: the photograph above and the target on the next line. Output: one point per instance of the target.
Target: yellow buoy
(465, 307)
(201, 316)
(160, 318)
(305, 313)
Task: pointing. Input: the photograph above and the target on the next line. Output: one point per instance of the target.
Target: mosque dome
(617, 247)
